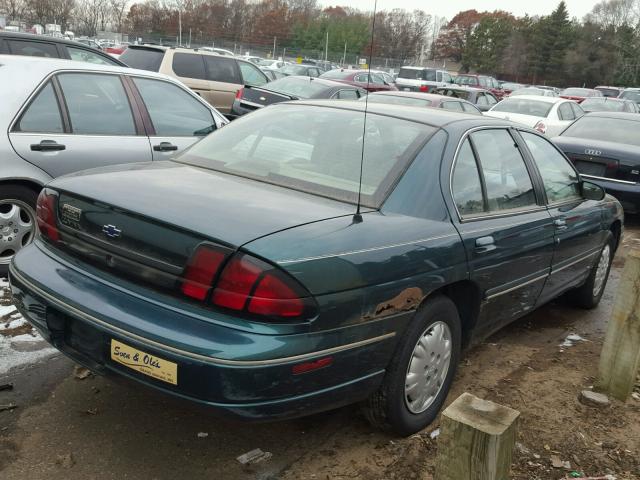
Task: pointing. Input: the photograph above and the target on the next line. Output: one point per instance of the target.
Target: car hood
(219, 206)
(528, 120)
(597, 148)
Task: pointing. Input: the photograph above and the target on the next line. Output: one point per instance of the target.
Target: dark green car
(244, 275)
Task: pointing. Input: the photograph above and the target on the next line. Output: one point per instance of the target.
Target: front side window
(43, 115)
(508, 184)
(173, 111)
(347, 95)
(82, 55)
(482, 99)
(466, 184)
(97, 104)
(452, 106)
(561, 182)
(470, 108)
(251, 75)
(287, 145)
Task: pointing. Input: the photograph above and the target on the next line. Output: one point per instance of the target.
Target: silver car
(60, 117)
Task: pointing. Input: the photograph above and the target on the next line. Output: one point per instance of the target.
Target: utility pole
(179, 27)
(189, 38)
(344, 55)
(326, 46)
(274, 47)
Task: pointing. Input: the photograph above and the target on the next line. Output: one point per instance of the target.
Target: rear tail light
(424, 88)
(245, 284)
(46, 207)
(239, 93)
(540, 127)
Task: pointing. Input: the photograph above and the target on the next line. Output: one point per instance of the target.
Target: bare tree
(118, 11)
(14, 9)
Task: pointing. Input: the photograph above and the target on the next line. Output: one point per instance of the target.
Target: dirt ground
(94, 428)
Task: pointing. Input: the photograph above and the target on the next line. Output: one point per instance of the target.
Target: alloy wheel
(17, 227)
(428, 367)
(601, 270)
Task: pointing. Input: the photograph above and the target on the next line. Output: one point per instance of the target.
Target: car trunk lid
(254, 97)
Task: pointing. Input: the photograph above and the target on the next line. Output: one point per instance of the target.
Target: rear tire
(399, 405)
(589, 294)
(17, 222)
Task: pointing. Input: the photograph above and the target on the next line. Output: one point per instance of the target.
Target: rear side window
(82, 55)
(173, 111)
(251, 75)
(97, 104)
(188, 65)
(43, 115)
(347, 95)
(452, 106)
(221, 69)
(507, 181)
(565, 112)
(466, 184)
(469, 108)
(33, 49)
(143, 58)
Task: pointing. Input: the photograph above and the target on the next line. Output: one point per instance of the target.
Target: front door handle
(485, 244)
(47, 146)
(165, 147)
(560, 224)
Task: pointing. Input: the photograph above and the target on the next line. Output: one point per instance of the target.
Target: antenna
(357, 218)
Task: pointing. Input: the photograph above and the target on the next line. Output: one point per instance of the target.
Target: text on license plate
(143, 362)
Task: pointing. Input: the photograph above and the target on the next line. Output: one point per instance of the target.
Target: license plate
(143, 362)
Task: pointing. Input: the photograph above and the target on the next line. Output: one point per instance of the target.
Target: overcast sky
(448, 8)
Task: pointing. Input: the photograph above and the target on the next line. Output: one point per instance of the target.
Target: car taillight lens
(243, 283)
(201, 271)
(541, 127)
(46, 215)
(424, 88)
(239, 93)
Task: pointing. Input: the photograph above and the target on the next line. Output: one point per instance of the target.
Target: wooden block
(620, 357)
(476, 440)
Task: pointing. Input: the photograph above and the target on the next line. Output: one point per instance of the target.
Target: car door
(578, 230)
(224, 78)
(177, 118)
(506, 229)
(95, 126)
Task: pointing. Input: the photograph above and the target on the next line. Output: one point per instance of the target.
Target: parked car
(632, 94)
(263, 291)
(64, 116)
(293, 88)
(419, 99)
(605, 149)
(117, 49)
(299, 69)
(422, 79)
(272, 74)
(481, 81)
(480, 97)
(612, 92)
(579, 94)
(508, 87)
(548, 115)
(271, 64)
(386, 76)
(14, 43)
(251, 58)
(609, 104)
(89, 42)
(371, 82)
(540, 92)
(216, 78)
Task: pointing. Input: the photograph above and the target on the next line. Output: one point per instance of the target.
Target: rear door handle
(165, 147)
(47, 146)
(485, 244)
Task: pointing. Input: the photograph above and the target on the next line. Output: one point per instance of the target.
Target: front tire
(419, 377)
(17, 222)
(589, 294)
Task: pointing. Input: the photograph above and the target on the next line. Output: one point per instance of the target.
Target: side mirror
(484, 108)
(591, 191)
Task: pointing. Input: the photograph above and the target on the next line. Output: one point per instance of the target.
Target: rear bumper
(239, 373)
(628, 194)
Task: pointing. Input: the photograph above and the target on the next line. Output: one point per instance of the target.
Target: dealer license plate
(143, 362)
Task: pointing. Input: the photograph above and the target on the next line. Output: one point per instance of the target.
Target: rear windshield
(524, 106)
(288, 145)
(418, 74)
(603, 105)
(614, 130)
(337, 74)
(294, 70)
(609, 92)
(143, 58)
(632, 95)
(296, 86)
(398, 100)
(528, 91)
(462, 80)
(578, 92)
(511, 86)
(452, 92)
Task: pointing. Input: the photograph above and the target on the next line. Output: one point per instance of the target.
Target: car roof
(615, 115)
(540, 98)
(429, 116)
(42, 38)
(607, 99)
(419, 95)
